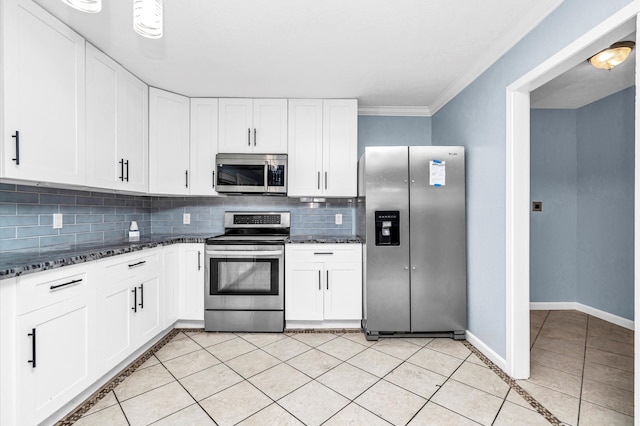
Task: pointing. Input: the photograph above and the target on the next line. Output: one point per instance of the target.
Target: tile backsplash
(26, 215)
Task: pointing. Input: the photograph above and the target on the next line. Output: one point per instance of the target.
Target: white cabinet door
(117, 122)
(115, 322)
(133, 137)
(170, 283)
(343, 291)
(235, 126)
(44, 96)
(270, 126)
(192, 282)
(148, 320)
(168, 142)
(340, 148)
(102, 78)
(204, 146)
(305, 147)
(303, 291)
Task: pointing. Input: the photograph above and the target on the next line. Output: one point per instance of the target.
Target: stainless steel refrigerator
(412, 214)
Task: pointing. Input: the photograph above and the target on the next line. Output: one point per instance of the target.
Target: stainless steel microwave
(252, 173)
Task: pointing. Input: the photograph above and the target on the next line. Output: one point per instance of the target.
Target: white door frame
(518, 182)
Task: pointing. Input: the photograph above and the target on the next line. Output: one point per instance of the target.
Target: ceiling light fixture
(88, 6)
(147, 18)
(614, 55)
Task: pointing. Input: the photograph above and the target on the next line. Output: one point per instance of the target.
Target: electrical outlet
(186, 218)
(338, 219)
(57, 221)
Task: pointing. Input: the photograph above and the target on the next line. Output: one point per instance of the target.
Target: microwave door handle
(266, 176)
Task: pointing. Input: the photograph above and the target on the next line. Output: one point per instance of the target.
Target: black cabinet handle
(126, 163)
(121, 162)
(186, 178)
(53, 287)
(325, 180)
(327, 253)
(141, 304)
(32, 361)
(319, 281)
(249, 137)
(213, 178)
(17, 138)
(198, 260)
(135, 299)
(327, 280)
(255, 136)
(142, 262)
(318, 180)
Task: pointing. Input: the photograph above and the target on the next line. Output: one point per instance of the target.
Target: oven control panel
(257, 219)
(252, 220)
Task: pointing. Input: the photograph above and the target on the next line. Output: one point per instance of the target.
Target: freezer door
(438, 241)
(387, 275)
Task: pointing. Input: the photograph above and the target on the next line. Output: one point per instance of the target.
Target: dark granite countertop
(13, 264)
(325, 239)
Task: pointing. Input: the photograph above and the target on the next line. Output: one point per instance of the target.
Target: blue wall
(605, 132)
(582, 168)
(476, 118)
(554, 181)
(392, 131)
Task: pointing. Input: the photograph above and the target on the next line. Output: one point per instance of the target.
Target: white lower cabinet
(323, 285)
(55, 346)
(191, 284)
(129, 309)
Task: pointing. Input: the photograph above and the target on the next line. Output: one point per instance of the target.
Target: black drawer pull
(53, 287)
(121, 162)
(32, 361)
(327, 253)
(137, 264)
(126, 163)
(135, 299)
(17, 138)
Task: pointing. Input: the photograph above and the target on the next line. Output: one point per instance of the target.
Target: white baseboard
(606, 316)
(487, 351)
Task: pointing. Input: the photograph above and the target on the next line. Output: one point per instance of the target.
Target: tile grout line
(513, 385)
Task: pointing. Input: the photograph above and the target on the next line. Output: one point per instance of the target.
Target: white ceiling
(410, 53)
(584, 84)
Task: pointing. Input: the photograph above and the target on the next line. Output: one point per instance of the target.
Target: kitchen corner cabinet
(55, 339)
(168, 143)
(203, 146)
(43, 127)
(252, 126)
(117, 123)
(323, 285)
(129, 309)
(323, 145)
(191, 287)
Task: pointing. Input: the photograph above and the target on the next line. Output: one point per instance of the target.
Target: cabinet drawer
(42, 289)
(139, 264)
(324, 252)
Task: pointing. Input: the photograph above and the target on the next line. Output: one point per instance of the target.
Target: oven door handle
(247, 253)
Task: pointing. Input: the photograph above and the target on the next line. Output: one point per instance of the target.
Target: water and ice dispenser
(387, 228)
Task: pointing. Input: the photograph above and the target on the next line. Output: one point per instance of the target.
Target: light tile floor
(581, 368)
(201, 378)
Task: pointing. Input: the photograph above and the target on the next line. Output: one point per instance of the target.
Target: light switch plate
(338, 219)
(186, 218)
(57, 221)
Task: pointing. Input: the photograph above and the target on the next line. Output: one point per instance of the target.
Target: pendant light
(614, 55)
(147, 18)
(88, 6)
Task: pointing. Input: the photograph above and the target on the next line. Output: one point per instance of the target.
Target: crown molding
(505, 43)
(396, 111)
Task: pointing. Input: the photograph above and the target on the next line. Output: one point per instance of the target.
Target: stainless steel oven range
(244, 284)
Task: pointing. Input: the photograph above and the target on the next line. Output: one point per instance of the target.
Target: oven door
(244, 277)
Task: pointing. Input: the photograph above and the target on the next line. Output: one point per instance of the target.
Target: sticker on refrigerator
(437, 173)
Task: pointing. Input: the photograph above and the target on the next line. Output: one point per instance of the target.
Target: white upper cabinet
(117, 122)
(168, 143)
(44, 96)
(204, 146)
(323, 144)
(253, 126)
